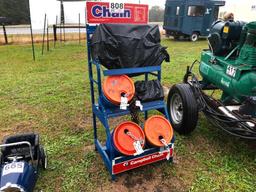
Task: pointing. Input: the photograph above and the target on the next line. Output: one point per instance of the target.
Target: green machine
(229, 65)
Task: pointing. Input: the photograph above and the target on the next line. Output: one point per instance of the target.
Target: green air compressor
(228, 65)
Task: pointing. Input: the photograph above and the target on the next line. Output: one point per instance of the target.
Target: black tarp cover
(149, 90)
(125, 46)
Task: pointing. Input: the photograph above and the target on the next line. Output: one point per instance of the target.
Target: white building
(243, 10)
(52, 9)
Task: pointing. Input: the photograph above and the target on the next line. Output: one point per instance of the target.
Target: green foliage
(156, 14)
(16, 11)
(51, 96)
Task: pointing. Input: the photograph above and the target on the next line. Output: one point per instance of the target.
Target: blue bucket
(105, 102)
(110, 144)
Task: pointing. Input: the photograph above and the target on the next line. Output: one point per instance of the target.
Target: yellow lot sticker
(226, 29)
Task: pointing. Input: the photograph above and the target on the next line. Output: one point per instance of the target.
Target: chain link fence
(20, 34)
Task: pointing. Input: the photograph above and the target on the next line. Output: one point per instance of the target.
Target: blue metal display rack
(120, 164)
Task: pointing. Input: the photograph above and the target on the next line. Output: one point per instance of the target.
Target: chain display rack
(116, 165)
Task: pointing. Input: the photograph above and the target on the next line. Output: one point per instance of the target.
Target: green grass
(51, 96)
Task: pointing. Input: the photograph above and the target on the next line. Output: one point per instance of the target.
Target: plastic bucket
(122, 142)
(114, 87)
(109, 144)
(156, 128)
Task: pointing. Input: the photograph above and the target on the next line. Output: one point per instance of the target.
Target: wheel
(43, 158)
(176, 37)
(1, 159)
(194, 37)
(182, 108)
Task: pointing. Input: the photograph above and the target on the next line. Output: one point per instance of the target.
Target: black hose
(236, 127)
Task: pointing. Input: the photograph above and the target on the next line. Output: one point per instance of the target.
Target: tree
(156, 14)
(16, 11)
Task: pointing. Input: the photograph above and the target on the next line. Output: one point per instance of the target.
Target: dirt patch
(166, 90)
(89, 148)
(24, 126)
(159, 177)
(58, 183)
(21, 127)
(5, 133)
(130, 182)
(162, 176)
(81, 123)
(251, 144)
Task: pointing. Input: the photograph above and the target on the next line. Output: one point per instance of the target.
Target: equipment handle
(20, 143)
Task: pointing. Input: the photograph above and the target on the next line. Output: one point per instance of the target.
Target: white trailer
(243, 10)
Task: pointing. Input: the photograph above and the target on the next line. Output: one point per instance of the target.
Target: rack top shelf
(116, 111)
(127, 71)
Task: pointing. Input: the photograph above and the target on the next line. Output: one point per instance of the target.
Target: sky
(72, 9)
(151, 3)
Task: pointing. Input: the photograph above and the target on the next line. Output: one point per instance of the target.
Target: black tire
(185, 123)
(194, 37)
(43, 158)
(176, 37)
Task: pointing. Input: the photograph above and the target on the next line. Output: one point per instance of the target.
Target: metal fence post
(5, 35)
(44, 34)
(79, 28)
(47, 37)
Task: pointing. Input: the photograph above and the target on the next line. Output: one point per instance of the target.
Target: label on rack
(116, 7)
(138, 148)
(124, 103)
(168, 155)
(116, 12)
(166, 146)
(138, 104)
(140, 161)
(15, 167)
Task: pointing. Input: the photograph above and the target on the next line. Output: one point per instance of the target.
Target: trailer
(227, 66)
(190, 18)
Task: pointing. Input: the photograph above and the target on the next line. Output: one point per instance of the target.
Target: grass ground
(52, 96)
(38, 38)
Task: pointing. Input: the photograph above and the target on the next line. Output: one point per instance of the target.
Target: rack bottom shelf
(126, 163)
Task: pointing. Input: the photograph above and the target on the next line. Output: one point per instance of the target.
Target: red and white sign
(105, 12)
(140, 161)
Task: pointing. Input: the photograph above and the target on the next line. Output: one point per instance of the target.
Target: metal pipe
(44, 33)
(31, 34)
(60, 25)
(79, 29)
(5, 34)
(55, 31)
(69, 26)
(19, 143)
(47, 36)
(63, 18)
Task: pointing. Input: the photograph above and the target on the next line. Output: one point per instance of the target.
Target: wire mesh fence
(19, 34)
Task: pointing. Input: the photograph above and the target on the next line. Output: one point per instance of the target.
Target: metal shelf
(101, 112)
